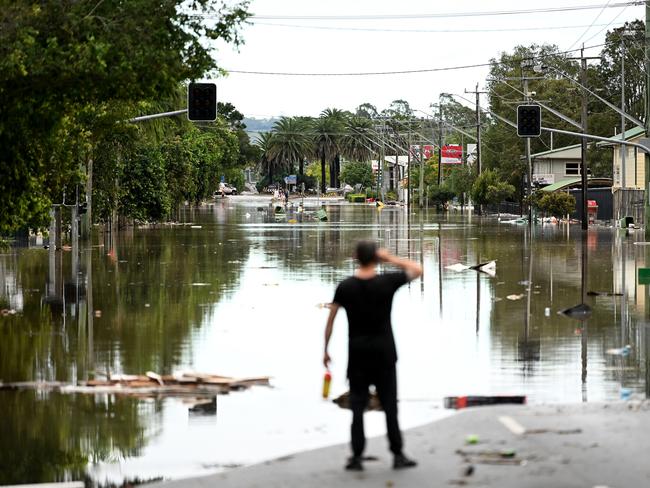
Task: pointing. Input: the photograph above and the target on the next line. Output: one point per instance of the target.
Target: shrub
(356, 197)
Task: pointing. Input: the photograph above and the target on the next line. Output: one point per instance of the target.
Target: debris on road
(343, 401)
(477, 401)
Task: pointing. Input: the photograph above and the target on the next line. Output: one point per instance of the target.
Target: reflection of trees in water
(324, 250)
(174, 271)
(53, 437)
(47, 437)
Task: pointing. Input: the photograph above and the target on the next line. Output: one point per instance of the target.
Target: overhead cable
(447, 14)
(396, 72)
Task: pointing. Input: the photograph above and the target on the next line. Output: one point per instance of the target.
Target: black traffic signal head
(529, 120)
(202, 102)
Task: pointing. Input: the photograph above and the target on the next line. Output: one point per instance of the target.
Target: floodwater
(236, 292)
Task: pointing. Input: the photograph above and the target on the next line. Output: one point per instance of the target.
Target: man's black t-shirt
(368, 304)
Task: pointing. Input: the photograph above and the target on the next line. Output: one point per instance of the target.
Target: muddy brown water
(236, 291)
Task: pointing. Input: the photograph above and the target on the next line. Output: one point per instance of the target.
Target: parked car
(225, 189)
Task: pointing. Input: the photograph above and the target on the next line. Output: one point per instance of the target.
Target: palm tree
(325, 133)
(267, 162)
(290, 142)
(357, 142)
(337, 119)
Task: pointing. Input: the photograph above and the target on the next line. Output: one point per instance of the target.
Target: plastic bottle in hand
(327, 379)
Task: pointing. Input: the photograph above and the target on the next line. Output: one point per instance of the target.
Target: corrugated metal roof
(569, 182)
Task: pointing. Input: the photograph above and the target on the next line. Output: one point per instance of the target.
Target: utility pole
(583, 142)
(478, 130)
(646, 213)
(439, 143)
(408, 168)
(479, 154)
(623, 148)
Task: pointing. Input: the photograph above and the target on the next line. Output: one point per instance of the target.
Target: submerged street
(234, 290)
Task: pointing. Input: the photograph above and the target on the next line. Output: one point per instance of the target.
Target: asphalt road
(581, 446)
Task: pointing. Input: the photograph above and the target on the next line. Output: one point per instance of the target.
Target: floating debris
(179, 384)
(196, 226)
(622, 351)
(515, 297)
(578, 312)
(604, 294)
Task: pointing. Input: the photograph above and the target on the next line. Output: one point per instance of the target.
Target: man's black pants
(385, 381)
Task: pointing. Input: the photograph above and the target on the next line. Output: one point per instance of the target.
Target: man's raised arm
(411, 268)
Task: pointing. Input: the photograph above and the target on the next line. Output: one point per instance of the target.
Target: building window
(572, 169)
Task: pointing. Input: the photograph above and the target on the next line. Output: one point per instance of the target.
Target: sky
(277, 41)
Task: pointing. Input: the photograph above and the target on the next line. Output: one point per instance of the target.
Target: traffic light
(202, 102)
(529, 120)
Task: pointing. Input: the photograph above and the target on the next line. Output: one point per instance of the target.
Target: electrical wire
(447, 14)
(396, 72)
(612, 21)
(427, 31)
(593, 22)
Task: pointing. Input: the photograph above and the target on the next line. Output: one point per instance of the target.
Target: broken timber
(181, 384)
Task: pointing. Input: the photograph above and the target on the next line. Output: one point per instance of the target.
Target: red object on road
(477, 401)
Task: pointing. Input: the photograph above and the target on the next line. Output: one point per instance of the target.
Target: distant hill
(255, 126)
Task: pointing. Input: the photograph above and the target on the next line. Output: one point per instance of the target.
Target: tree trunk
(337, 170)
(322, 172)
(333, 173)
(301, 167)
(270, 173)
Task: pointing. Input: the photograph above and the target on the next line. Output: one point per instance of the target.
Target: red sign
(427, 151)
(452, 154)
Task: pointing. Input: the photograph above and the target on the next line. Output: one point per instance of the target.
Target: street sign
(452, 154)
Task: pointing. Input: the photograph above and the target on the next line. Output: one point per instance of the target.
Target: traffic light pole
(529, 166)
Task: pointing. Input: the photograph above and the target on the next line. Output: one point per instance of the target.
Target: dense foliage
(357, 173)
(70, 70)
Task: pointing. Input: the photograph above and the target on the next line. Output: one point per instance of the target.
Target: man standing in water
(367, 298)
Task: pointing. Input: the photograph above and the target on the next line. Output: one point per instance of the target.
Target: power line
(396, 72)
(448, 14)
(427, 31)
(612, 21)
(592, 23)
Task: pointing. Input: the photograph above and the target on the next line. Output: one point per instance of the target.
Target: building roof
(631, 133)
(566, 152)
(573, 182)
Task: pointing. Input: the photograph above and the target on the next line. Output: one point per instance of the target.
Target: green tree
(357, 173)
(357, 143)
(267, 162)
(62, 60)
(557, 204)
(488, 188)
(290, 143)
(326, 131)
(337, 120)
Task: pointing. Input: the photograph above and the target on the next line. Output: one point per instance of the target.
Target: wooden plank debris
(149, 384)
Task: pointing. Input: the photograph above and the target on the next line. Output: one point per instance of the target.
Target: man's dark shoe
(354, 464)
(400, 461)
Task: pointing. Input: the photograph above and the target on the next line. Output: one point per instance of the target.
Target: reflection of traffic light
(529, 120)
(202, 102)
